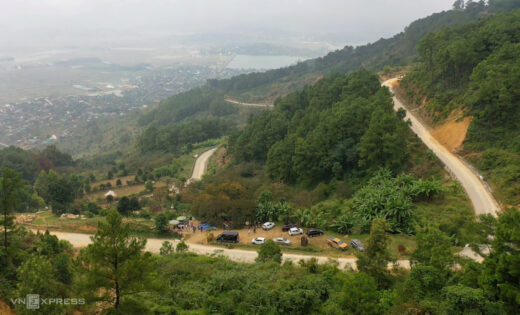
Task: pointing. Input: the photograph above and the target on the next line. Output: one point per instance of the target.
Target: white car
(258, 241)
(268, 225)
(295, 231)
(281, 241)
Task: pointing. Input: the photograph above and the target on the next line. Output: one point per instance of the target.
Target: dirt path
(481, 198)
(230, 100)
(153, 245)
(201, 165)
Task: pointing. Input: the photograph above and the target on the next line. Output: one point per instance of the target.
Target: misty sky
(352, 21)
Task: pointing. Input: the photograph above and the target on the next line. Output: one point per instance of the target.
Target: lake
(262, 62)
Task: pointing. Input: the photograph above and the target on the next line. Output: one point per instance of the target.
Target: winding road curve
(201, 165)
(481, 198)
(230, 100)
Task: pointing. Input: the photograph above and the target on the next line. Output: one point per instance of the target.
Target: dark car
(357, 245)
(314, 232)
(287, 227)
(228, 237)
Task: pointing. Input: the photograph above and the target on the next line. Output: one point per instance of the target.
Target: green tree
(149, 186)
(11, 187)
(57, 157)
(55, 190)
(166, 248)
(433, 249)
(374, 260)
(181, 247)
(161, 223)
(359, 295)
(384, 143)
(36, 276)
(76, 185)
(458, 5)
(114, 264)
(110, 198)
(63, 268)
(134, 204)
(269, 251)
(501, 273)
(123, 205)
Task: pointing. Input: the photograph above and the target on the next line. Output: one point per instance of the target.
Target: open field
(123, 190)
(47, 220)
(113, 181)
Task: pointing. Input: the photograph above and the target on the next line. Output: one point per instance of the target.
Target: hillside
(208, 101)
(397, 51)
(333, 155)
(472, 72)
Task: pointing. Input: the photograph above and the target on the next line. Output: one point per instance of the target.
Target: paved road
(79, 240)
(3, 144)
(230, 100)
(201, 165)
(482, 200)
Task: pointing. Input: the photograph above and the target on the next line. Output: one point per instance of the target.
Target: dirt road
(153, 245)
(482, 200)
(230, 100)
(201, 164)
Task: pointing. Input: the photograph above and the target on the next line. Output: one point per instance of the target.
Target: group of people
(186, 227)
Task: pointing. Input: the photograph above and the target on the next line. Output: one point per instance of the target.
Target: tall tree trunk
(117, 282)
(117, 294)
(5, 231)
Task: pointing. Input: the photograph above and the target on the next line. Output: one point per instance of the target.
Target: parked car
(357, 245)
(205, 226)
(314, 232)
(268, 225)
(258, 241)
(228, 237)
(287, 227)
(295, 231)
(281, 241)
(337, 243)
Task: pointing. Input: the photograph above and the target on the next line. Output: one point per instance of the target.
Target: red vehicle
(287, 227)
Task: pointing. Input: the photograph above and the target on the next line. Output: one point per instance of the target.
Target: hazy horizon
(31, 25)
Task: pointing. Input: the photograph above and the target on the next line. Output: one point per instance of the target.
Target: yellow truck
(337, 243)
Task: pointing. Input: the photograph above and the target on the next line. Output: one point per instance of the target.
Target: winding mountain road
(481, 198)
(201, 165)
(230, 100)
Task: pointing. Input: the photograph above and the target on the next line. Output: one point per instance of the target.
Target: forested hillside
(341, 126)
(476, 68)
(340, 142)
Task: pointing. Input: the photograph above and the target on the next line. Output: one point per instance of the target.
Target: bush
(181, 247)
(166, 249)
(210, 237)
(269, 251)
